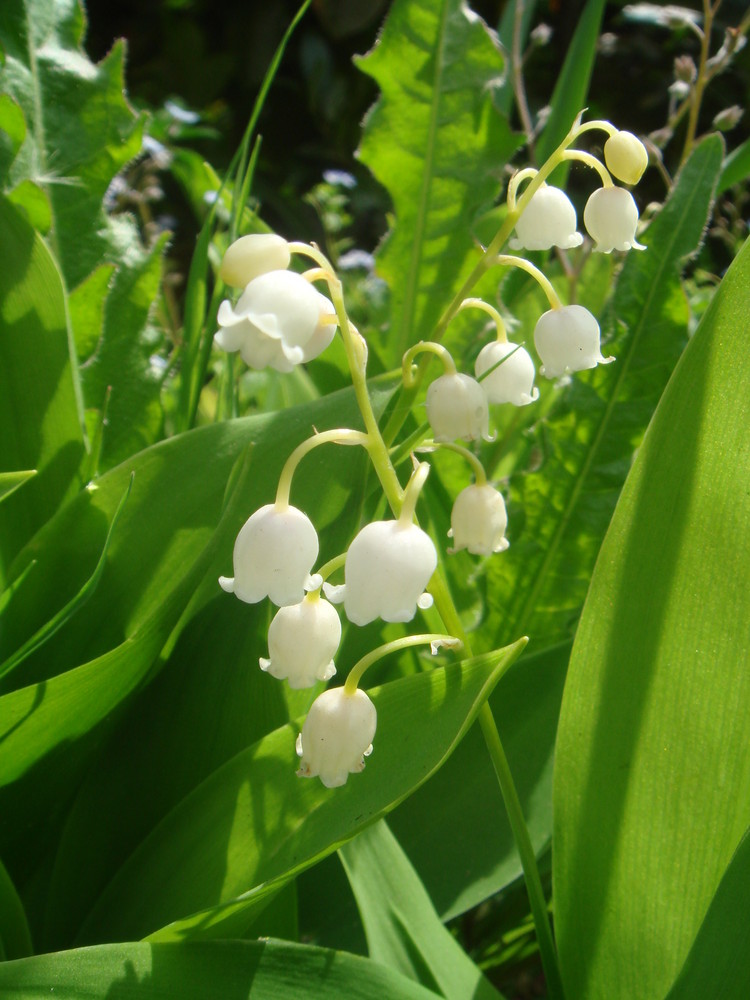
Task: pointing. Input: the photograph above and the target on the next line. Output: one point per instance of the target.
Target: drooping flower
(457, 408)
(567, 340)
(549, 220)
(512, 381)
(626, 157)
(273, 556)
(336, 736)
(253, 255)
(302, 640)
(479, 520)
(387, 568)
(611, 217)
(279, 321)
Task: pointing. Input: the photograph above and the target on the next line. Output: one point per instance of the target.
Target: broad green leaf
(80, 130)
(40, 419)
(736, 167)
(10, 481)
(45, 633)
(15, 940)
(230, 970)
(718, 963)
(86, 306)
(12, 132)
(171, 514)
(557, 519)
(652, 773)
(403, 930)
(437, 143)
(223, 840)
(38, 722)
(572, 86)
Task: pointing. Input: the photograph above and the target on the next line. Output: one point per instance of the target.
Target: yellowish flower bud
(626, 157)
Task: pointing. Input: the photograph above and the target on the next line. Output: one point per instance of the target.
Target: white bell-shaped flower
(626, 157)
(479, 520)
(302, 640)
(252, 255)
(611, 217)
(273, 556)
(387, 568)
(336, 736)
(279, 321)
(457, 408)
(567, 340)
(549, 220)
(512, 381)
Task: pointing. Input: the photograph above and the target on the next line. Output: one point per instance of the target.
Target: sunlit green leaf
(652, 772)
(231, 970)
(437, 143)
(403, 930)
(222, 841)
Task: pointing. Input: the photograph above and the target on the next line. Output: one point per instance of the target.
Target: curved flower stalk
(302, 641)
(253, 255)
(279, 321)
(567, 340)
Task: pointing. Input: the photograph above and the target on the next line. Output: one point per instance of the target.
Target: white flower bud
(336, 736)
(457, 408)
(250, 256)
(302, 640)
(512, 381)
(611, 216)
(277, 317)
(626, 157)
(549, 220)
(273, 556)
(388, 566)
(567, 340)
(479, 520)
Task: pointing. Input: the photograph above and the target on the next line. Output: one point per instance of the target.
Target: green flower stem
(411, 495)
(381, 460)
(339, 436)
(502, 334)
(537, 901)
(425, 347)
(590, 161)
(699, 86)
(479, 474)
(327, 569)
(509, 260)
(434, 639)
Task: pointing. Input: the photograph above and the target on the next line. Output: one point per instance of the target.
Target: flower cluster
(281, 320)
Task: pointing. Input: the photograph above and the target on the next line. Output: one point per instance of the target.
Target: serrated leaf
(438, 144)
(80, 130)
(217, 845)
(40, 419)
(403, 930)
(652, 772)
(232, 970)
